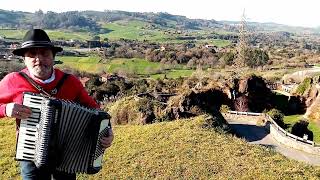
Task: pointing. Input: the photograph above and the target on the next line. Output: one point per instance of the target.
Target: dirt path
(260, 135)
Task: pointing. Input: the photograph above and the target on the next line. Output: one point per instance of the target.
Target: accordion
(62, 135)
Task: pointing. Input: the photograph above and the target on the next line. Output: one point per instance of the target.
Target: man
(38, 53)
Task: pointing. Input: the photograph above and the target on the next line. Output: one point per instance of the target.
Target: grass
(220, 42)
(175, 73)
(8, 166)
(13, 34)
(216, 42)
(89, 64)
(181, 149)
(143, 67)
(291, 120)
(136, 66)
(67, 35)
(132, 30)
(53, 34)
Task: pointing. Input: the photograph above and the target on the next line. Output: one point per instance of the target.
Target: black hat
(35, 38)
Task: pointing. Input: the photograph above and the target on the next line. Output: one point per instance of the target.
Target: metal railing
(277, 127)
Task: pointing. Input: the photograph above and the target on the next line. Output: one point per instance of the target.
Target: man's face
(39, 62)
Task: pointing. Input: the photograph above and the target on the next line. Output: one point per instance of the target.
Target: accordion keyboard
(62, 135)
(27, 132)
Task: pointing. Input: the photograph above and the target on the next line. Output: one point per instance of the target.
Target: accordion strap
(39, 88)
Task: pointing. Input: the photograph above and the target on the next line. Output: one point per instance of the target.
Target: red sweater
(13, 85)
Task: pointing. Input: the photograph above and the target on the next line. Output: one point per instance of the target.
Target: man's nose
(38, 56)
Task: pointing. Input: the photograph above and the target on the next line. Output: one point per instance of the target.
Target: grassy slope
(132, 30)
(180, 149)
(15, 34)
(53, 34)
(291, 120)
(134, 65)
(89, 64)
(8, 167)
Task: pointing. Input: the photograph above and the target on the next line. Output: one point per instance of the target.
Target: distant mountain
(92, 20)
(271, 27)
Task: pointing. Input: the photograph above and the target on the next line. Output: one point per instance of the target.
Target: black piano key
(31, 141)
(29, 144)
(30, 130)
(28, 157)
(27, 147)
(28, 134)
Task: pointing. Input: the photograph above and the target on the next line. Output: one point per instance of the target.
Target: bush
(277, 116)
(125, 111)
(304, 86)
(300, 128)
(224, 108)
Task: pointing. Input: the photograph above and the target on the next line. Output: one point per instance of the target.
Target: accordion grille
(44, 135)
(73, 138)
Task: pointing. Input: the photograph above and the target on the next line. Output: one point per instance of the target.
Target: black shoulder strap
(60, 83)
(39, 88)
(34, 84)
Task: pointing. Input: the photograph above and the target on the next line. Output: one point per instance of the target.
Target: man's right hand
(18, 111)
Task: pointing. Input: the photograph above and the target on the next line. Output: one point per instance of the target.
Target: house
(210, 46)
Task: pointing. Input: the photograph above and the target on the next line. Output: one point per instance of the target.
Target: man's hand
(107, 140)
(18, 111)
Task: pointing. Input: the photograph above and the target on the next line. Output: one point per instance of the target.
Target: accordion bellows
(62, 135)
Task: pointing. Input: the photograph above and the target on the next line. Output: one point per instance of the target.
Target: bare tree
(241, 104)
(242, 45)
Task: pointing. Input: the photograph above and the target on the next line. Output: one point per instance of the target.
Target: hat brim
(21, 51)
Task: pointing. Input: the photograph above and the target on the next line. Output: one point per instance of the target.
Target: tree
(242, 46)
(227, 58)
(241, 103)
(277, 116)
(256, 57)
(300, 128)
(96, 38)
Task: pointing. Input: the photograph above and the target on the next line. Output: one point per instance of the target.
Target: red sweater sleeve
(6, 93)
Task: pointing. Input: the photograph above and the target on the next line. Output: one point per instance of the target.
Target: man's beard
(41, 71)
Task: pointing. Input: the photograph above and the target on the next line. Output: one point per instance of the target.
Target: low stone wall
(242, 117)
(281, 135)
(292, 142)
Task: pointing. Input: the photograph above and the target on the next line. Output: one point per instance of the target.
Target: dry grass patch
(181, 149)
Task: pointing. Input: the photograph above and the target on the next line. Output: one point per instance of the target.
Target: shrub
(224, 108)
(124, 111)
(304, 86)
(277, 116)
(300, 128)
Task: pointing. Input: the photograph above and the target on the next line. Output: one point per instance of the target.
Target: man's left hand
(107, 140)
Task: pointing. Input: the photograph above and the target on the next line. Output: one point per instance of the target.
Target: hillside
(103, 23)
(180, 149)
(274, 27)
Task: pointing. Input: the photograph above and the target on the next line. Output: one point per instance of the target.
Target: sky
(290, 12)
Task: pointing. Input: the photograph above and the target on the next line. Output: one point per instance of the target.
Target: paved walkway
(260, 135)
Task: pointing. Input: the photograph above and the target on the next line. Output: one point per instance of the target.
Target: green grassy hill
(136, 66)
(182, 149)
(59, 34)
